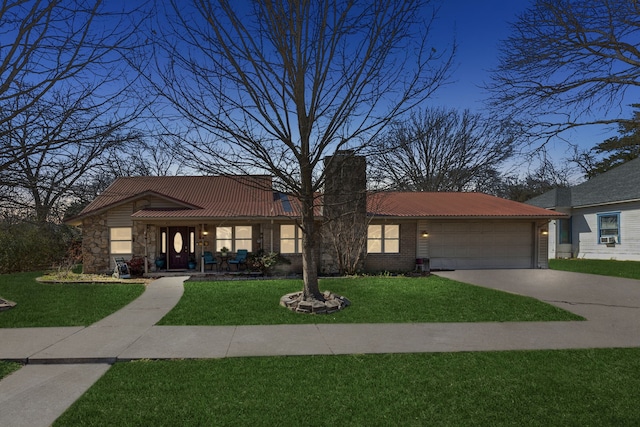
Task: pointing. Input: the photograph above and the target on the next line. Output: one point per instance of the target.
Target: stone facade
(95, 244)
(145, 235)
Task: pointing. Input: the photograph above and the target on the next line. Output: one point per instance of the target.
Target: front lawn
(541, 388)
(41, 304)
(375, 300)
(8, 367)
(628, 269)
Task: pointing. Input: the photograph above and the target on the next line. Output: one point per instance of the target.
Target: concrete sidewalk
(610, 305)
(64, 362)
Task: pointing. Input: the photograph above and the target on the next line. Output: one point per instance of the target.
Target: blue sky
(479, 26)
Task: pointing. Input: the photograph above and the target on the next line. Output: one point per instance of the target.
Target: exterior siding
(585, 233)
(120, 216)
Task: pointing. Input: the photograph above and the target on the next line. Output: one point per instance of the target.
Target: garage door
(467, 245)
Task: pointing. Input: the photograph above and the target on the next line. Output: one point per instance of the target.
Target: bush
(27, 246)
(264, 261)
(136, 266)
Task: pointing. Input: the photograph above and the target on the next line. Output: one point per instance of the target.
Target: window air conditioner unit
(608, 239)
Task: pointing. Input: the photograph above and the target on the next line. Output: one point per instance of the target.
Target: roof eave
(593, 205)
(523, 217)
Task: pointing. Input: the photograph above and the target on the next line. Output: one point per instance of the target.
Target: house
(603, 216)
(181, 217)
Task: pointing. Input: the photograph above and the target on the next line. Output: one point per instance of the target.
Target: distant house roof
(620, 184)
(199, 197)
(450, 205)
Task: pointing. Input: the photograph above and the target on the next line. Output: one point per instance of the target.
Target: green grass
(40, 304)
(8, 367)
(374, 300)
(532, 388)
(628, 269)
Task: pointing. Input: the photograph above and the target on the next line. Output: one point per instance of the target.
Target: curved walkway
(76, 357)
(62, 363)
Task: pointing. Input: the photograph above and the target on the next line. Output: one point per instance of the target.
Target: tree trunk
(311, 290)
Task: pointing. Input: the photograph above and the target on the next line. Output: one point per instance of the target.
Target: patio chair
(209, 259)
(240, 259)
(121, 271)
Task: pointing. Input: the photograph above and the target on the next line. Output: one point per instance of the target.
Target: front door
(178, 247)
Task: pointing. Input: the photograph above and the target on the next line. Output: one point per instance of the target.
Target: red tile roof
(196, 197)
(451, 205)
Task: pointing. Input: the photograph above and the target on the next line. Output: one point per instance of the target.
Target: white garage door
(479, 245)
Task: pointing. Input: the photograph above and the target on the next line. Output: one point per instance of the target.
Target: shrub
(28, 246)
(136, 266)
(264, 261)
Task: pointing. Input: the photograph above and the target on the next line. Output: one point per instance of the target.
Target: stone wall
(95, 244)
(143, 234)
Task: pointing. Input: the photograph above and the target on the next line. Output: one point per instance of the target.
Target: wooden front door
(178, 247)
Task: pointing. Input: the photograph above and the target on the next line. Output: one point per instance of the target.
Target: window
(564, 231)
(290, 239)
(163, 241)
(242, 237)
(223, 238)
(383, 239)
(233, 238)
(120, 240)
(609, 228)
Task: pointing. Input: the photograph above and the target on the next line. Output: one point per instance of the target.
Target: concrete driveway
(608, 303)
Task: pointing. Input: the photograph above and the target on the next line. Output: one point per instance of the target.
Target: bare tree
(442, 150)
(277, 86)
(73, 138)
(545, 177)
(77, 46)
(567, 64)
(134, 156)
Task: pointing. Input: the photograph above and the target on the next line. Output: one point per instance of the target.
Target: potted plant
(192, 263)
(161, 260)
(224, 251)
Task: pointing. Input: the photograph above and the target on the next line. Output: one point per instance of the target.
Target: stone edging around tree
(332, 303)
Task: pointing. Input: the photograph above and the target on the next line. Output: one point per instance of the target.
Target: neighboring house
(603, 216)
(181, 217)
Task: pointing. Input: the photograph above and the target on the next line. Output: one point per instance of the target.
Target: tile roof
(196, 197)
(451, 205)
